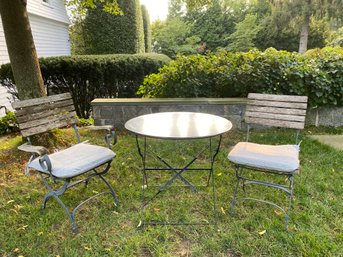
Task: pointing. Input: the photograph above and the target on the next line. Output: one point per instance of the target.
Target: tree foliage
(302, 11)
(173, 36)
(336, 38)
(279, 23)
(212, 26)
(246, 31)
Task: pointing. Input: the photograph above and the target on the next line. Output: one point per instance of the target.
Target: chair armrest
(39, 150)
(109, 128)
(108, 137)
(45, 163)
(111, 133)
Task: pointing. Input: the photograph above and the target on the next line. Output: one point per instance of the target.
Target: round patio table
(178, 126)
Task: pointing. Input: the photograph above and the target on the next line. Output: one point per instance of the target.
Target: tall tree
(303, 10)
(21, 49)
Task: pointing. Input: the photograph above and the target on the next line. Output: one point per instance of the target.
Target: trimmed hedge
(147, 29)
(318, 74)
(105, 33)
(93, 76)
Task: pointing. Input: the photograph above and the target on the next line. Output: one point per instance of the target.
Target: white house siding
(55, 10)
(51, 37)
(5, 100)
(3, 47)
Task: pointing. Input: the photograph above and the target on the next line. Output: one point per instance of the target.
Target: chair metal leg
(56, 194)
(247, 181)
(67, 184)
(290, 195)
(70, 215)
(52, 193)
(116, 202)
(233, 203)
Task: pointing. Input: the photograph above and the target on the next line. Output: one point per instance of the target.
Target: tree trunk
(21, 49)
(304, 35)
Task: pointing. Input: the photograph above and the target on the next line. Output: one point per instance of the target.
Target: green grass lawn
(316, 226)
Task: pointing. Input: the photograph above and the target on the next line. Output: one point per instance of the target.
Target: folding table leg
(142, 151)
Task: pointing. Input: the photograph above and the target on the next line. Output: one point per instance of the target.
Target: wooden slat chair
(272, 110)
(43, 114)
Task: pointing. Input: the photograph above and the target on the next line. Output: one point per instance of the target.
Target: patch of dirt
(184, 248)
(144, 252)
(335, 141)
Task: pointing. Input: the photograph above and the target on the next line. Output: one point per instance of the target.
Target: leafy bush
(318, 74)
(82, 122)
(91, 76)
(8, 123)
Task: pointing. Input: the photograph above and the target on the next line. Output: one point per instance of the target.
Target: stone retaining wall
(119, 110)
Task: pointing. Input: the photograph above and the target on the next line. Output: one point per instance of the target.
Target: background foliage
(257, 24)
(173, 36)
(91, 76)
(318, 74)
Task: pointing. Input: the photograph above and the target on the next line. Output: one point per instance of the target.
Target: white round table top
(178, 125)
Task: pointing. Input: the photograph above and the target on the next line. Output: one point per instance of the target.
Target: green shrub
(8, 123)
(82, 122)
(318, 74)
(91, 76)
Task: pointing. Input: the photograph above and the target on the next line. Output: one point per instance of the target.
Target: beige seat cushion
(283, 158)
(75, 160)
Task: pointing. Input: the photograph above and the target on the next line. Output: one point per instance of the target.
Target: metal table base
(178, 174)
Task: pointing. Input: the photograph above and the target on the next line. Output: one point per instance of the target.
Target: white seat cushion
(75, 160)
(283, 158)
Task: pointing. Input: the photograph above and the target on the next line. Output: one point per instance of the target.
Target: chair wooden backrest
(42, 114)
(287, 111)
